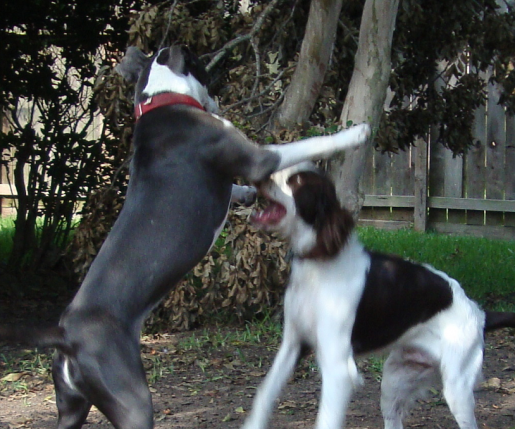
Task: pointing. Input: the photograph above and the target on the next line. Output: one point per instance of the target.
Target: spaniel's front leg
(339, 377)
(282, 368)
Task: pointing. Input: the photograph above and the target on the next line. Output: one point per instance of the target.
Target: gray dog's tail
(497, 320)
(36, 336)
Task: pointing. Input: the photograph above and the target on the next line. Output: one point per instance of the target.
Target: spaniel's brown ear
(335, 232)
(315, 197)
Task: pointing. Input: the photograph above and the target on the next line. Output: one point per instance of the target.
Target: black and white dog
(343, 300)
(184, 162)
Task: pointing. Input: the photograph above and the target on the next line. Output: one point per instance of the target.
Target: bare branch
(347, 30)
(253, 31)
(255, 46)
(268, 109)
(262, 93)
(169, 22)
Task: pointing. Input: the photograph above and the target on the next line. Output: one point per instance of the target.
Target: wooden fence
(426, 187)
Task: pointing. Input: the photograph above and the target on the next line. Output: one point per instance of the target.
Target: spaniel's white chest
(300, 303)
(324, 296)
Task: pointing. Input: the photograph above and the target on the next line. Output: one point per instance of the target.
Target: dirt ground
(212, 385)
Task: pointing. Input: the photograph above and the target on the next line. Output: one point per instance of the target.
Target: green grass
(485, 268)
(6, 237)
(265, 331)
(24, 361)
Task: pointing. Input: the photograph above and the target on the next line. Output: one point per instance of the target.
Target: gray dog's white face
(174, 69)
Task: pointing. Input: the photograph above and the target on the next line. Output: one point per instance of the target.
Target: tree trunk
(366, 95)
(315, 53)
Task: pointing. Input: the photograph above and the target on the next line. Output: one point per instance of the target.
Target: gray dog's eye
(163, 57)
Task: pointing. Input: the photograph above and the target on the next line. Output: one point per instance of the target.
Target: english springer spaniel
(343, 300)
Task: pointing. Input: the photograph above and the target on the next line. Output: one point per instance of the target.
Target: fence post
(420, 209)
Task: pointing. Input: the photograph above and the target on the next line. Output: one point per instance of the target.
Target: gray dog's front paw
(243, 194)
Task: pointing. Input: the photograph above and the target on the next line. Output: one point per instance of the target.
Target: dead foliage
(100, 213)
(242, 276)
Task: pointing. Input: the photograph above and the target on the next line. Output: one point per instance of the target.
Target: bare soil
(213, 386)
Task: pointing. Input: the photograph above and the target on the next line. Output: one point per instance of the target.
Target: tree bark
(366, 95)
(315, 53)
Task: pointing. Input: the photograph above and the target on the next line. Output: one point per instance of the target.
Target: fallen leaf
(287, 404)
(492, 383)
(14, 376)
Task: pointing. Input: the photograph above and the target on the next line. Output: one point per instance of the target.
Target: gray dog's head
(173, 69)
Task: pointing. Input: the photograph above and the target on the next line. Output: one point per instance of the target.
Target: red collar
(164, 99)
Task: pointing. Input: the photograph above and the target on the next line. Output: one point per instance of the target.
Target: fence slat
(509, 165)
(495, 151)
(436, 173)
(475, 170)
(382, 169)
(420, 191)
(367, 183)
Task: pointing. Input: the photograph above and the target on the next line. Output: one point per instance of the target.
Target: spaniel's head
(303, 208)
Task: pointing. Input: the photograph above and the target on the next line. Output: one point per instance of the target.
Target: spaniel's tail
(497, 320)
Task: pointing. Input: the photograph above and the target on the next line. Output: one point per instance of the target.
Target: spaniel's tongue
(270, 215)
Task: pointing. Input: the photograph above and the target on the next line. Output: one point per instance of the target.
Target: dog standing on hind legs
(185, 159)
(343, 300)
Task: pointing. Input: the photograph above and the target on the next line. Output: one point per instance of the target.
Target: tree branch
(264, 92)
(169, 22)
(235, 42)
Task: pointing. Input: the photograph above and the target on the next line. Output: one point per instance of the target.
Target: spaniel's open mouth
(271, 215)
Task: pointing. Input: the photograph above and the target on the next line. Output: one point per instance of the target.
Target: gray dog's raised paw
(245, 195)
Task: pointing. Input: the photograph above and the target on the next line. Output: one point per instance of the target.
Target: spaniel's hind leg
(459, 376)
(407, 374)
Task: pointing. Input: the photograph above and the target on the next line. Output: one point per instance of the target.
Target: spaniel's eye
(295, 180)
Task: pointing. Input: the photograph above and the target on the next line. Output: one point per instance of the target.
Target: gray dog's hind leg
(119, 390)
(72, 407)
(108, 374)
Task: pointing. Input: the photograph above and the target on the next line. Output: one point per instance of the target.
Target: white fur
(67, 376)
(162, 79)
(319, 309)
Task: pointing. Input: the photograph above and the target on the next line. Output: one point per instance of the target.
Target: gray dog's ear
(132, 64)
